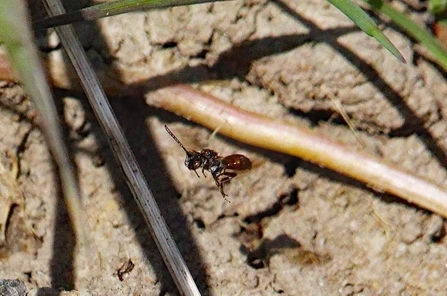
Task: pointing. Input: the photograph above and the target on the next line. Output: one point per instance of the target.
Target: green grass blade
(420, 34)
(110, 9)
(16, 34)
(366, 24)
(437, 7)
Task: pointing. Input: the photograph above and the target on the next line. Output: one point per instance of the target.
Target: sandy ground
(292, 228)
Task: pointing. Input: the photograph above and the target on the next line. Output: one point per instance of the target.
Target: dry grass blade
(121, 148)
(15, 32)
(279, 136)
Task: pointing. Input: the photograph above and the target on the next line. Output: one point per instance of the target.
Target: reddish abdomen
(237, 162)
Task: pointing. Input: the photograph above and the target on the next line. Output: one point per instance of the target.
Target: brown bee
(221, 168)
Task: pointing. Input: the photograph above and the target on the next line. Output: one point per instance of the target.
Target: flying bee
(221, 168)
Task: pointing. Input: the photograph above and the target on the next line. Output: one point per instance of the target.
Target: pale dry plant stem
(277, 135)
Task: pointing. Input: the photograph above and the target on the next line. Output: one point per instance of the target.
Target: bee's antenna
(176, 139)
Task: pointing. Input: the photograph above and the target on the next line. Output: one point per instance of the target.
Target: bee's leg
(203, 171)
(196, 173)
(224, 177)
(221, 179)
(224, 195)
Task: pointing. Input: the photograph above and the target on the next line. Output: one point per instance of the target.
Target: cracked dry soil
(292, 227)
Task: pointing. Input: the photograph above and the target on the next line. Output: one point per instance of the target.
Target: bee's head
(193, 160)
